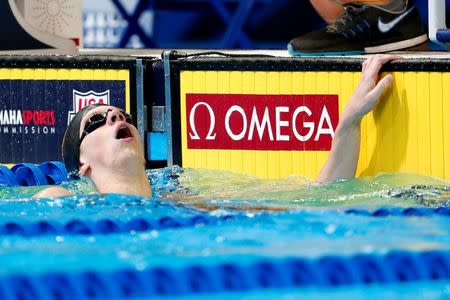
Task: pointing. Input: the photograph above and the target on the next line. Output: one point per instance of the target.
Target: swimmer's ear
(84, 168)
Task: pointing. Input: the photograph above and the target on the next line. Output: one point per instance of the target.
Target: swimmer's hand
(343, 158)
(369, 89)
(52, 192)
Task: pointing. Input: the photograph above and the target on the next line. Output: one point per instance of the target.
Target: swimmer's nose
(115, 116)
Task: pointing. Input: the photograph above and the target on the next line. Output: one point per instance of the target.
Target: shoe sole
(295, 53)
(368, 50)
(397, 45)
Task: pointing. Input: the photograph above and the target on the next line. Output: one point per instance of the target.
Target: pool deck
(276, 53)
(157, 52)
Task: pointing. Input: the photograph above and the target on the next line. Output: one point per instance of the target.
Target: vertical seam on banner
(140, 99)
(168, 104)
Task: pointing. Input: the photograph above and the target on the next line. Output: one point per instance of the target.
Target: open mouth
(123, 133)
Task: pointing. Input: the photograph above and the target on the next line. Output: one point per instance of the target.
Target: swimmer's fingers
(358, 106)
(380, 88)
(373, 70)
(372, 66)
(366, 63)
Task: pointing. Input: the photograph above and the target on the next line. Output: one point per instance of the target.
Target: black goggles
(98, 120)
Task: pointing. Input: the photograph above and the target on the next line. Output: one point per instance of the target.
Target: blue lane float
(27, 174)
(108, 226)
(266, 273)
(401, 212)
(7, 177)
(55, 171)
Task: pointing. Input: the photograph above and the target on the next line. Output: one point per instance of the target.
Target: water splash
(233, 190)
(215, 190)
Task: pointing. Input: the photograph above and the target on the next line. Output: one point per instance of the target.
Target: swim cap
(71, 142)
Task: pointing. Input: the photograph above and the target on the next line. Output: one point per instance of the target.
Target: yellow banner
(407, 132)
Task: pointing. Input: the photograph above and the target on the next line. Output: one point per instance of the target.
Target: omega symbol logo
(194, 135)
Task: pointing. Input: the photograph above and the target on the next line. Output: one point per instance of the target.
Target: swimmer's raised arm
(343, 158)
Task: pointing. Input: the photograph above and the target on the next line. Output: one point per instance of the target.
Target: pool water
(265, 219)
(228, 189)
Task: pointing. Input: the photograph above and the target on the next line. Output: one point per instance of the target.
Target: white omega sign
(210, 135)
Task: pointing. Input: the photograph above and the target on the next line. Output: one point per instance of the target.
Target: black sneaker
(363, 29)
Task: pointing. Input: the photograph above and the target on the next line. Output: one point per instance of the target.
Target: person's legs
(362, 26)
(394, 5)
(329, 10)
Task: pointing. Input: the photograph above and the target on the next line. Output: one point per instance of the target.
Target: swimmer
(101, 142)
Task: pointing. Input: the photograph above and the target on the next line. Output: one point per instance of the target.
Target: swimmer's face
(108, 138)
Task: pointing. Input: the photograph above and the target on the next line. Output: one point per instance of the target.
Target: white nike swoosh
(385, 27)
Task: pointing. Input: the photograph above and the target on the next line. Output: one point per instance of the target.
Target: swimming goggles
(98, 120)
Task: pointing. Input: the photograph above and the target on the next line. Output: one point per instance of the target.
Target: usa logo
(81, 100)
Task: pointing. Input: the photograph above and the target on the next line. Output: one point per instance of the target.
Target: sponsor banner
(261, 122)
(35, 113)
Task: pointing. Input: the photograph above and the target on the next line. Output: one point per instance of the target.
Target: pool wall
(40, 94)
(273, 117)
